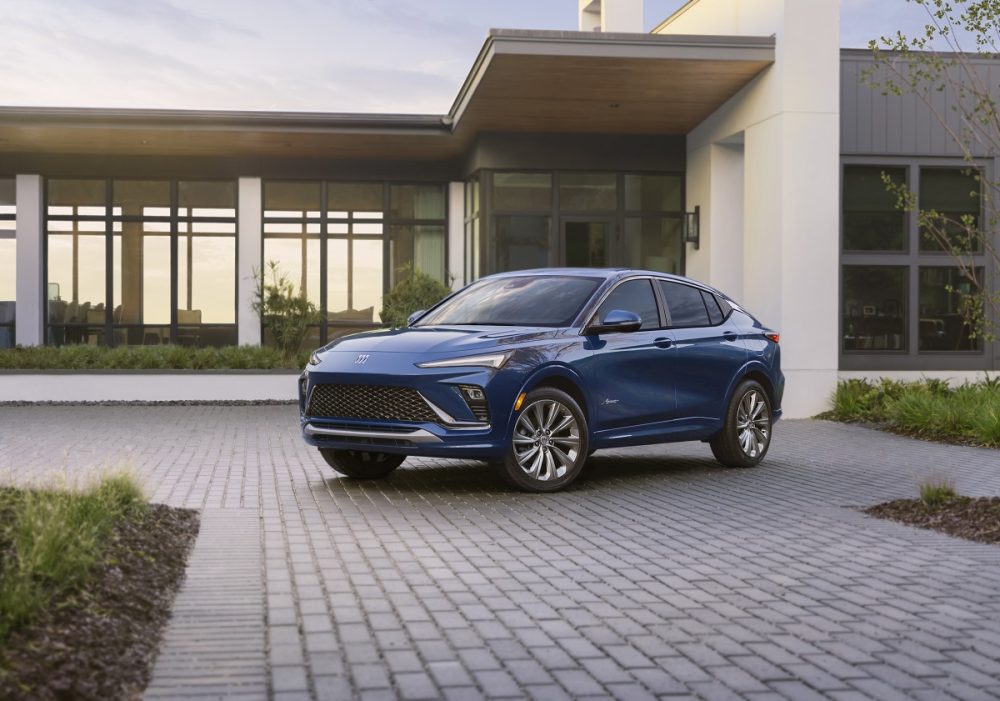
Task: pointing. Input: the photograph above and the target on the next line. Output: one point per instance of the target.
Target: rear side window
(633, 296)
(714, 313)
(685, 304)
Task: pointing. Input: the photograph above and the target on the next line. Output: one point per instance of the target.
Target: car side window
(686, 306)
(633, 296)
(714, 313)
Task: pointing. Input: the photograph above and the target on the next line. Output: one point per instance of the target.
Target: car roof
(603, 273)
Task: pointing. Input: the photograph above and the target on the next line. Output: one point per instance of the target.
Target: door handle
(728, 336)
(663, 343)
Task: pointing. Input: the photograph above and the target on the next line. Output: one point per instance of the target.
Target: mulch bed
(100, 643)
(962, 517)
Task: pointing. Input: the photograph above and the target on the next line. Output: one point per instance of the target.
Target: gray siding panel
(897, 125)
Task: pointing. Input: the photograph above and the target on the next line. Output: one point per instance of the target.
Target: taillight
(772, 336)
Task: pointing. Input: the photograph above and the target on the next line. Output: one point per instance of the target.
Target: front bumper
(456, 433)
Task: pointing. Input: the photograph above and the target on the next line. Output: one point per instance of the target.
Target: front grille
(369, 402)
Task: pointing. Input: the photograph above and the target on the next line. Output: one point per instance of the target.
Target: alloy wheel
(546, 440)
(753, 424)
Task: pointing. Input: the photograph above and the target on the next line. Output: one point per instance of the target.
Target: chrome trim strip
(449, 420)
(416, 436)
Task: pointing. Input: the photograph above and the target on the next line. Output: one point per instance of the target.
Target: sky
(290, 55)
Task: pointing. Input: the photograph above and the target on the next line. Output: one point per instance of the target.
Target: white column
(788, 120)
(456, 234)
(30, 301)
(249, 255)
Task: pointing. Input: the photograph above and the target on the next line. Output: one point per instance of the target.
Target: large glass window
(522, 242)
(588, 192)
(655, 243)
(8, 262)
(292, 241)
(953, 193)
(522, 192)
(141, 262)
(371, 232)
(874, 308)
(576, 219)
(901, 296)
(77, 228)
(944, 295)
(654, 193)
(872, 221)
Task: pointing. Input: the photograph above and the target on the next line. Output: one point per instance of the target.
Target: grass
(83, 357)
(969, 413)
(935, 492)
(51, 541)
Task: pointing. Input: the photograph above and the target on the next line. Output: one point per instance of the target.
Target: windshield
(538, 300)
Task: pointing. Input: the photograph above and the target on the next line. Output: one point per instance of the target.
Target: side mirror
(414, 316)
(617, 321)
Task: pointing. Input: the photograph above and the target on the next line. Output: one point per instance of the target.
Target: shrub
(936, 491)
(50, 541)
(287, 313)
(82, 357)
(929, 408)
(415, 292)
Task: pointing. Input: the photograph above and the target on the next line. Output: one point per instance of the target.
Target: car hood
(440, 339)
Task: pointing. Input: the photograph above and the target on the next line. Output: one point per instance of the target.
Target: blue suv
(532, 371)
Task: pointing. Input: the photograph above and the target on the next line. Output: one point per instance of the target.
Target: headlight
(314, 359)
(494, 360)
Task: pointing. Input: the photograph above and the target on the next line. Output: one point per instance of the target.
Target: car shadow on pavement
(472, 477)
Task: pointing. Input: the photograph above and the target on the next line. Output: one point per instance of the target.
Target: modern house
(735, 143)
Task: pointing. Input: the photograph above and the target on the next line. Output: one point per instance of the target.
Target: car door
(708, 350)
(629, 372)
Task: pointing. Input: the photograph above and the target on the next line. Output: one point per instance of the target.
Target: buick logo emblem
(362, 359)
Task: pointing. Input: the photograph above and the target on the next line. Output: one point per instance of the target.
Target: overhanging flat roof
(521, 81)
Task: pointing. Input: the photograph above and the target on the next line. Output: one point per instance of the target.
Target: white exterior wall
(29, 295)
(777, 252)
(249, 253)
(456, 234)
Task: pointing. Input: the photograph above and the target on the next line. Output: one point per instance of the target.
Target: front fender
(548, 372)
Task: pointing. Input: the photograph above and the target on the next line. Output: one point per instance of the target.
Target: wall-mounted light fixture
(692, 227)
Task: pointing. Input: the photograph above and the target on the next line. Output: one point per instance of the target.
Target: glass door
(584, 242)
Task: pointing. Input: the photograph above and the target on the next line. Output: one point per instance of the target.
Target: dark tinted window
(684, 304)
(724, 305)
(714, 313)
(633, 296)
(542, 300)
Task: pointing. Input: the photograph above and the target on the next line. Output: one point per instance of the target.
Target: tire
(743, 442)
(549, 443)
(361, 465)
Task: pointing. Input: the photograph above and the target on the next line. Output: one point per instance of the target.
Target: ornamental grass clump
(937, 491)
(51, 541)
(968, 413)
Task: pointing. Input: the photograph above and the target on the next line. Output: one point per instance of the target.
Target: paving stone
(659, 574)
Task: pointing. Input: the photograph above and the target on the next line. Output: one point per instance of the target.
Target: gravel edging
(976, 519)
(100, 642)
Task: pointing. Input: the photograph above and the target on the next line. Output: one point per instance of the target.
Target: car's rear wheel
(549, 445)
(360, 464)
(746, 431)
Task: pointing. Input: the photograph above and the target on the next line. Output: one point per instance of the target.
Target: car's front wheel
(361, 465)
(549, 445)
(746, 431)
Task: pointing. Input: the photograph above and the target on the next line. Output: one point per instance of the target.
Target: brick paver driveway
(660, 574)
